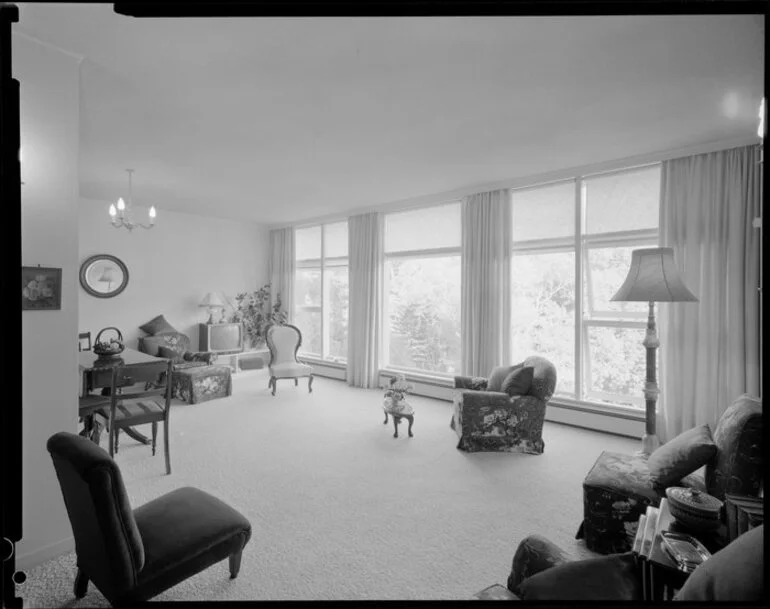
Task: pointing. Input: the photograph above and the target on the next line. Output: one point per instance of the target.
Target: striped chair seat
(136, 410)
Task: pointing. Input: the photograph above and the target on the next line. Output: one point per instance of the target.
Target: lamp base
(649, 443)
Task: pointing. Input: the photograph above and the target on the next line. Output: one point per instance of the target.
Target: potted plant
(253, 310)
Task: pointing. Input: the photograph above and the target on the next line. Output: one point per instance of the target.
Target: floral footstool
(616, 492)
(202, 383)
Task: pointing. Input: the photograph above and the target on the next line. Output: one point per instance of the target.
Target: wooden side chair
(132, 555)
(284, 341)
(137, 397)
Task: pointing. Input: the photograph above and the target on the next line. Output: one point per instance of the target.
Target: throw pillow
(681, 456)
(171, 354)
(609, 578)
(519, 382)
(735, 573)
(498, 375)
(157, 325)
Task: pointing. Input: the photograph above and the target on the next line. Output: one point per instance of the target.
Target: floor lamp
(653, 277)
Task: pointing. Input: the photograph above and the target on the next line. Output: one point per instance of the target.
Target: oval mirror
(103, 276)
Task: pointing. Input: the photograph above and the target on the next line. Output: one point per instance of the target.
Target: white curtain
(281, 268)
(486, 282)
(709, 351)
(365, 252)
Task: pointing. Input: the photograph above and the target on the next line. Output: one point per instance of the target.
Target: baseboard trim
(39, 556)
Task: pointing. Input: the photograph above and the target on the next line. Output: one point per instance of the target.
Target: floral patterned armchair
(487, 419)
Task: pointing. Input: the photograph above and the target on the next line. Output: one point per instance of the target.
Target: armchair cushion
(735, 573)
(518, 382)
(681, 456)
(611, 578)
(498, 376)
(157, 325)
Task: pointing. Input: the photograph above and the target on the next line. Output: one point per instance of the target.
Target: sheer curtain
(365, 244)
(710, 350)
(281, 268)
(486, 282)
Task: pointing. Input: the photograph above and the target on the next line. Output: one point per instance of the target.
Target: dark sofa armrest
(470, 398)
(534, 554)
(477, 383)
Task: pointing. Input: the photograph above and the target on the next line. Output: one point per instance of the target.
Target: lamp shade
(653, 277)
(212, 299)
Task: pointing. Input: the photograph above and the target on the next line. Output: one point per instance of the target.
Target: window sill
(416, 377)
(621, 412)
(317, 361)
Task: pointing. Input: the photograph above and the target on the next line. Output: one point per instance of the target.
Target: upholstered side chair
(134, 555)
(284, 341)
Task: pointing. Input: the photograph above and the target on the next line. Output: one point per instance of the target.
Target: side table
(661, 576)
(249, 360)
(398, 411)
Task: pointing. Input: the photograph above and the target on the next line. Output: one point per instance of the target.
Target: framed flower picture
(40, 288)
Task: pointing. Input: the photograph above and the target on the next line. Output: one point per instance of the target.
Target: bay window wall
(421, 328)
(321, 290)
(572, 244)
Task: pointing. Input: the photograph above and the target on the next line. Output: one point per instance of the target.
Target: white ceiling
(284, 119)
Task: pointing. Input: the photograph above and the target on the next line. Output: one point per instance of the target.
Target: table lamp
(212, 301)
(653, 277)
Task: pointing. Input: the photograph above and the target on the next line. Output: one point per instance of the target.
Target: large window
(584, 228)
(422, 290)
(321, 290)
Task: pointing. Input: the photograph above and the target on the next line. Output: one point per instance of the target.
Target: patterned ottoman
(616, 492)
(201, 383)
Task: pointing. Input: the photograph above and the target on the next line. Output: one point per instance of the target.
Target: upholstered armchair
(541, 571)
(284, 341)
(619, 487)
(486, 418)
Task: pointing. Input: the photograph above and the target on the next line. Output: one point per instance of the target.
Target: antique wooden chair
(284, 341)
(136, 398)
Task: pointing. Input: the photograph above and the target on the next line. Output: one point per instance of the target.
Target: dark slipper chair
(134, 555)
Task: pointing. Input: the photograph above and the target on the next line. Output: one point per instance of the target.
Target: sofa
(194, 378)
(619, 487)
(541, 571)
(487, 418)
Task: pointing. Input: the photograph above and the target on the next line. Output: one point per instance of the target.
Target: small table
(403, 410)
(662, 575)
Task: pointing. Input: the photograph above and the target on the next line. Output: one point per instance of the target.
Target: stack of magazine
(651, 524)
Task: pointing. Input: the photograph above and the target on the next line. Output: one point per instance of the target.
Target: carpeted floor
(342, 510)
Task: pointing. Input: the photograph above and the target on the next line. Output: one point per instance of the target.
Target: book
(637, 546)
(664, 517)
(649, 531)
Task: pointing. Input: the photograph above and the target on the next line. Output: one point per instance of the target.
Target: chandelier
(122, 216)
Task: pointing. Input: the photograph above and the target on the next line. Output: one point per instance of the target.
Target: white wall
(49, 140)
(170, 267)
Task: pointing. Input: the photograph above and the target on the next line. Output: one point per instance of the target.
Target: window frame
(321, 264)
(416, 254)
(580, 243)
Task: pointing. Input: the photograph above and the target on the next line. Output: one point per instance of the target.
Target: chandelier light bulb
(123, 217)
